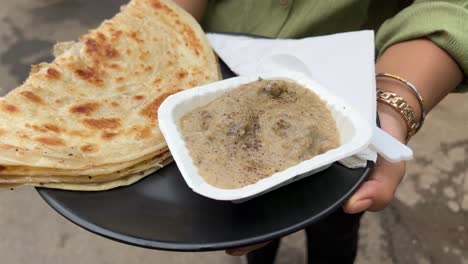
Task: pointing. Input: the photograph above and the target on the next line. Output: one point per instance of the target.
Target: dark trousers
(332, 240)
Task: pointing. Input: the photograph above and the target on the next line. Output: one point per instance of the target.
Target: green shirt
(444, 22)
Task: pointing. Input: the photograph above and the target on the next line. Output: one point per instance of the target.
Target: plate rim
(197, 247)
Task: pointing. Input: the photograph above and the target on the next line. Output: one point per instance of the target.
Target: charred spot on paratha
(52, 73)
(102, 123)
(52, 127)
(116, 34)
(31, 96)
(99, 49)
(135, 36)
(191, 39)
(150, 111)
(85, 109)
(160, 6)
(157, 80)
(44, 128)
(50, 141)
(182, 74)
(144, 133)
(89, 148)
(9, 108)
(90, 75)
(115, 66)
(108, 135)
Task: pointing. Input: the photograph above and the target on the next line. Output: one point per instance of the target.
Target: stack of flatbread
(88, 120)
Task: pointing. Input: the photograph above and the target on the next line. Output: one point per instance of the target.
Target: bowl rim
(170, 130)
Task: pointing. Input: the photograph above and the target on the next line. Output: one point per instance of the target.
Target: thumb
(376, 193)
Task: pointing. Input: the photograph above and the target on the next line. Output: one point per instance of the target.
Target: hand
(195, 7)
(378, 191)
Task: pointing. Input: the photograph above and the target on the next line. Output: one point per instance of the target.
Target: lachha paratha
(97, 102)
(9, 171)
(41, 180)
(95, 186)
(88, 120)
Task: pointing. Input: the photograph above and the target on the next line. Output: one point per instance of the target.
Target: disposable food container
(355, 135)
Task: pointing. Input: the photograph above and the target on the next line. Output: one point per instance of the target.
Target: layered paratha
(95, 186)
(9, 171)
(92, 112)
(38, 180)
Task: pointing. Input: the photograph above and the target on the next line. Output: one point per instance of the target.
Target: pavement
(426, 223)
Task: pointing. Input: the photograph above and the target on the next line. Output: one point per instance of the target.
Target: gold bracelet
(413, 90)
(402, 107)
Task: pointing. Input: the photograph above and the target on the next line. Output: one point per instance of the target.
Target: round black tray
(161, 212)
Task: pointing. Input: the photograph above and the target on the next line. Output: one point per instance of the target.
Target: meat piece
(274, 89)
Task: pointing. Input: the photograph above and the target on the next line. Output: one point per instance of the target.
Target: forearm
(195, 7)
(424, 64)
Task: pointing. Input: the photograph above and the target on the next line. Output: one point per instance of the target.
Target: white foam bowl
(355, 135)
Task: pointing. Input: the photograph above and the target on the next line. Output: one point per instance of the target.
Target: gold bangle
(402, 107)
(413, 90)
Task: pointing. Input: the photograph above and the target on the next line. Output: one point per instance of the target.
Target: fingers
(372, 194)
(244, 250)
(376, 193)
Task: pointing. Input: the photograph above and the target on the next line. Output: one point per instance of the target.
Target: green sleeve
(443, 22)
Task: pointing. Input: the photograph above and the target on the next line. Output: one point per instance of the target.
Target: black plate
(161, 212)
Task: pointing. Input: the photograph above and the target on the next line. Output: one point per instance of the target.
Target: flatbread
(41, 180)
(97, 102)
(88, 120)
(103, 186)
(9, 171)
